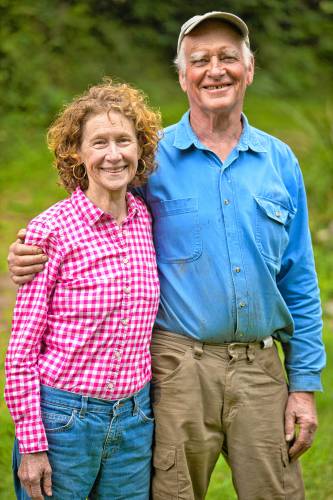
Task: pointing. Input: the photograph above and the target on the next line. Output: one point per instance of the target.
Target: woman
(78, 362)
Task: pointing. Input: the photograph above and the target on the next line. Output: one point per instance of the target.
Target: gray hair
(180, 61)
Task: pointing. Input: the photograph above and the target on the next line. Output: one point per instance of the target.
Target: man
(236, 270)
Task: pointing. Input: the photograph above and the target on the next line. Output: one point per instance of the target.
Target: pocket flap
(274, 210)
(163, 208)
(164, 457)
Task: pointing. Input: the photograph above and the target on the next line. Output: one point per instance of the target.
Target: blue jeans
(97, 449)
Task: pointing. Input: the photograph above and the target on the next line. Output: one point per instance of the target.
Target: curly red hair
(65, 134)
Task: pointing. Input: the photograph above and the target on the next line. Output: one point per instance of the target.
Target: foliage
(52, 49)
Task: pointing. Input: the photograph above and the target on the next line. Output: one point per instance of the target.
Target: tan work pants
(211, 399)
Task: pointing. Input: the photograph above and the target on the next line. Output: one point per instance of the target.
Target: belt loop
(84, 406)
(250, 353)
(135, 405)
(197, 349)
(267, 342)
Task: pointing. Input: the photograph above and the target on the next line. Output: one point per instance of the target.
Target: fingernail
(289, 437)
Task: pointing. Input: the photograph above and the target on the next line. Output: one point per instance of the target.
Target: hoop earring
(142, 170)
(84, 173)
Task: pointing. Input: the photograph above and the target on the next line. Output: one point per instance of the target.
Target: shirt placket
(124, 317)
(233, 239)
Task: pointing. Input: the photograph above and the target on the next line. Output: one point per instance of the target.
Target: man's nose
(216, 67)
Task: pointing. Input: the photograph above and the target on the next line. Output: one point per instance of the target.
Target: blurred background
(52, 50)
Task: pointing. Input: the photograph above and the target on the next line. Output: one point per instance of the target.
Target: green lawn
(28, 185)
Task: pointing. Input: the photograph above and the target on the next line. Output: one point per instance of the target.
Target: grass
(28, 185)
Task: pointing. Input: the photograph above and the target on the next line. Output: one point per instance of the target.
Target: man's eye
(99, 142)
(200, 62)
(229, 59)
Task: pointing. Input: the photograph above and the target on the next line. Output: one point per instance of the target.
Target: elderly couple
(236, 271)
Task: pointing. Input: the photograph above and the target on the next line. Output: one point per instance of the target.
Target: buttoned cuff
(305, 383)
(31, 436)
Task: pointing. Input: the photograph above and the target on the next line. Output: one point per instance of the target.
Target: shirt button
(124, 321)
(278, 213)
(227, 202)
(125, 260)
(126, 289)
(124, 232)
(117, 353)
(110, 385)
(237, 269)
(242, 304)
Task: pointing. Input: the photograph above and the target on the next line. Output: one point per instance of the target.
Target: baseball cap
(232, 19)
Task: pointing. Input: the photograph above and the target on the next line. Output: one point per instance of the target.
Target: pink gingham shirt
(84, 324)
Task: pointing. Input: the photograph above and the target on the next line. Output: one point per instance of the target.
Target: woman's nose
(113, 153)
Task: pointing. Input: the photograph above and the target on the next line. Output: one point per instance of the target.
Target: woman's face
(110, 153)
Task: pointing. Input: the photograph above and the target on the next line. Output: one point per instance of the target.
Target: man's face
(217, 69)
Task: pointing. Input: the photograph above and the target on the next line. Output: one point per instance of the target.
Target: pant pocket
(167, 361)
(292, 477)
(171, 477)
(164, 483)
(57, 419)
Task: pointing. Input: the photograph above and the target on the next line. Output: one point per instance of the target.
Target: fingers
(47, 482)
(35, 475)
(21, 280)
(18, 248)
(300, 411)
(289, 425)
(26, 268)
(35, 490)
(303, 441)
(31, 483)
(21, 235)
(24, 261)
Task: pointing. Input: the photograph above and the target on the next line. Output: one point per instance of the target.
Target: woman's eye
(124, 140)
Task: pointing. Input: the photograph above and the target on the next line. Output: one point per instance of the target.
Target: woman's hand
(35, 475)
(24, 261)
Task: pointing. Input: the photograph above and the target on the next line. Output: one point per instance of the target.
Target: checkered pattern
(84, 324)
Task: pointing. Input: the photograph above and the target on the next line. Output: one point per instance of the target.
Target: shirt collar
(92, 214)
(249, 139)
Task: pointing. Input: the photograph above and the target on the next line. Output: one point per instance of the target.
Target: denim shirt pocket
(177, 230)
(272, 219)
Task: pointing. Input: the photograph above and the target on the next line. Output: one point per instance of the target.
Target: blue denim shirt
(233, 247)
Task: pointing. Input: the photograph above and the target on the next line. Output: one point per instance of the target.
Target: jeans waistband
(67, 398)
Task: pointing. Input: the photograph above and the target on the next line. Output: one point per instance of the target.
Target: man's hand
(300, 411)
(24, 261)
(35, 475)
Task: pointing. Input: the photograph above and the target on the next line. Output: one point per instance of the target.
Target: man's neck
(219, 132)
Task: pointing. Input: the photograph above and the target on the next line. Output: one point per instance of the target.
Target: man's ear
(250, 72)
(182, 80)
